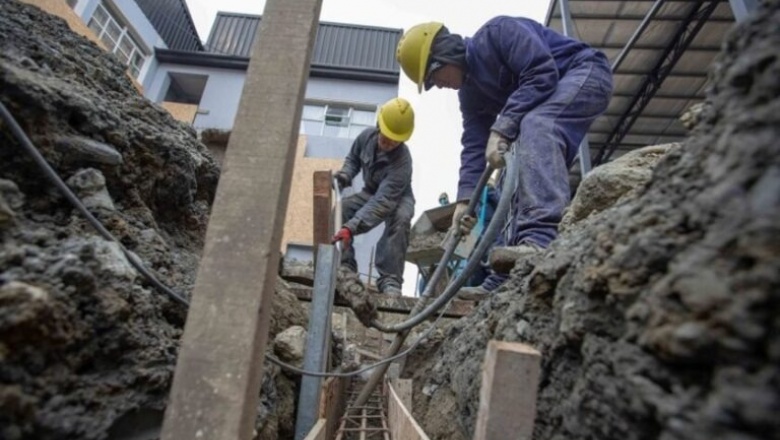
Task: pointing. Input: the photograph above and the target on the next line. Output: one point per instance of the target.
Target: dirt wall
(656, 318)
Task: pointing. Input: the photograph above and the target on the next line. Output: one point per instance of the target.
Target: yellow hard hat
(414, 49)
(396, 119)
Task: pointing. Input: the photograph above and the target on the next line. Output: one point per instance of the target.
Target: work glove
(343, 180)
(497, 145)
(461, 221)
(344, 236)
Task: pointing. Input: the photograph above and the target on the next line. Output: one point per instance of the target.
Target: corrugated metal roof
(339, 46)
(172, 20)
(609, 24)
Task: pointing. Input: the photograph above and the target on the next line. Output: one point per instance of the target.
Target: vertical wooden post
(322, 203)
(220, 365)
(507, 400)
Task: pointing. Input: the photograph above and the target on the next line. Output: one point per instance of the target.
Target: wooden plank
(220, 364)
(507, 401)
(392, 304)
(318, 431)
(402, 424)
(403, 388)
(333, 401)
(322, 212)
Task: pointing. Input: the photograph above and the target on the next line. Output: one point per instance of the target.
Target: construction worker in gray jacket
(382, 156)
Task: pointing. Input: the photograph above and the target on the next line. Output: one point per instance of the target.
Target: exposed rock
(6, 213)
(656, 318)
(607, 184)
(82, 149)
(289, 345)
(301, 272)
(88, 348)
(90, 185)
(349, 287)
(10, 193)
(10, 198)
(691, 118)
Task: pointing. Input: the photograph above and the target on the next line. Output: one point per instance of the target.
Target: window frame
(113, 43)
(347, 127)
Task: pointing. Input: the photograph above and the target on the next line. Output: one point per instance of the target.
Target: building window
(336, 120)
(116, 36)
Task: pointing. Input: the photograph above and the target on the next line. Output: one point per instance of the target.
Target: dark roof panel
(609, 24)
(337, 46)
(173, 22)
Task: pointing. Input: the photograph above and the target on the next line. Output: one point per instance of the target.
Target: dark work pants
(391, 248)
(548, 143)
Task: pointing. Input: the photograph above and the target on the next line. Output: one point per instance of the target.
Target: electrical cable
(474, 259)
(52, 175)
(423, 335)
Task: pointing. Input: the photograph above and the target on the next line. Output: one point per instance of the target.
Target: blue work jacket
(512, 65)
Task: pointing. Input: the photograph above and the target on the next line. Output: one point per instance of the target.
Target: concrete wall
(217, 110)
(219, 103)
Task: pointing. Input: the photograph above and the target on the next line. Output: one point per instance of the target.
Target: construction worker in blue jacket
(382, 156)
(522, 86)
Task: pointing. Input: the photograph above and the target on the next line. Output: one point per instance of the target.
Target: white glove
(462, 221)
(497, 145)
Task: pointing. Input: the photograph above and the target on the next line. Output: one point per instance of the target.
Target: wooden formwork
(333, 401)
(400, 419)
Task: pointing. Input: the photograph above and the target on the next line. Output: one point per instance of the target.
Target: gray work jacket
(387, 176)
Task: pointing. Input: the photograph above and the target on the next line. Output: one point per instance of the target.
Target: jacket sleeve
(351, 166)
(385, 200)
(525, 53)
(476, 129)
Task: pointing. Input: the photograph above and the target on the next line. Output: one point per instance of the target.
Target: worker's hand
(461, 221)
(344, 236)
(497, 145)
(343, 180)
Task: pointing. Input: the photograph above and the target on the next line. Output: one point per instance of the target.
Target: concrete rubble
(87, 346)
(656, 311)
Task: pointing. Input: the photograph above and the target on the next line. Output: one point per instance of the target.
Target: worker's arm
(385, 200)
(522, 51)
(352, 162)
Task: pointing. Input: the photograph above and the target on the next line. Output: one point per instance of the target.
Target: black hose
(490, 234)
(50, 174)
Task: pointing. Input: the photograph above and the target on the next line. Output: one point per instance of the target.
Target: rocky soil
(87, 345)
(657, 318)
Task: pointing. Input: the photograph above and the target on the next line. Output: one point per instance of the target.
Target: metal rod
(568, 25)
(585, 165)
(318, 338)
(637, 33)
(363, 425)
(699, 12)
(743, 8)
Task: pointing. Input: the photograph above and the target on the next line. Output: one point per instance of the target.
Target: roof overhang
(206, 59)
(661, 53)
